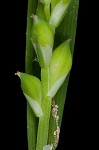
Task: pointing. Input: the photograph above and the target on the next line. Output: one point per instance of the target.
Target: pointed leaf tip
(17, 73)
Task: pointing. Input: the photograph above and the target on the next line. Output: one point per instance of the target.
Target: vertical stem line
(43, 126)
(47, 11)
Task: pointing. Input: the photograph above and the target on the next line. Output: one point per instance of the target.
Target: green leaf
(66, 30)
(32, 120)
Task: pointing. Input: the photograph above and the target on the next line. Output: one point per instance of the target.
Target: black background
(79, 118)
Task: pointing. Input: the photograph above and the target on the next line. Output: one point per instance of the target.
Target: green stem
(40, 10)
(43, 11)
(43, 126)
(47, 12)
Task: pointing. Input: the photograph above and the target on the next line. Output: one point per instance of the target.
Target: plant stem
(32, 121)
(47, 11)
(40, 10)
(66, 30)
(43, 126)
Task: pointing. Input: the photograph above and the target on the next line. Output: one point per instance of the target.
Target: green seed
(42, 37)
(31, 87)
(59, 12)
(59, 67)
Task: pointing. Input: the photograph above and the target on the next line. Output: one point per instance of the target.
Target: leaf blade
(66, 30)
(32, 121)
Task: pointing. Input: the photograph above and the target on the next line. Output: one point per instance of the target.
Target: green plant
(50, 39)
